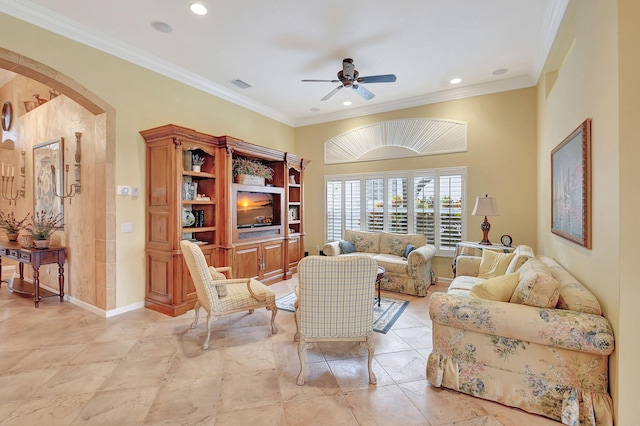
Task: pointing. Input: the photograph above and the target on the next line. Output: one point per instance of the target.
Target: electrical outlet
(127, 227)
(124, 190)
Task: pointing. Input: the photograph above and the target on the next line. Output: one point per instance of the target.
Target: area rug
(384, 316)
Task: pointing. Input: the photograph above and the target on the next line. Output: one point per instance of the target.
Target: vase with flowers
(43, 225)
(251, 172)
(11, 225)
(196, 162)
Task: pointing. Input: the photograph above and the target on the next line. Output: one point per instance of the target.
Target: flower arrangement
(44, 224)
(197, 160)
(246, 166)
(10, 224)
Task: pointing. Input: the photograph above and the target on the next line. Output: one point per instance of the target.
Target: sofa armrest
(468, 265)
(419, 262)
(561, 328)
(331, 249)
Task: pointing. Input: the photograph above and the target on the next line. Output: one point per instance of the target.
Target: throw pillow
(347, 247)
(409, 249)
(499, 288)
(221, 289)
(537, 289)
(493, 263)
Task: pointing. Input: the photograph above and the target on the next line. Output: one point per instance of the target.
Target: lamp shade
(486, 206)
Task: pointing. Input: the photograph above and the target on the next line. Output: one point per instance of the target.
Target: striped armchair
(335, 301)
(218, 295)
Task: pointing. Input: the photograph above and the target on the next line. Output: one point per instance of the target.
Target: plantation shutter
(424, 206)
(450, 211)
(397, 209)
(352, 211)
(334, 210)
(375, 204)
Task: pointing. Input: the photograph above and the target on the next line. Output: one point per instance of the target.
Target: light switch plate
(127, 227)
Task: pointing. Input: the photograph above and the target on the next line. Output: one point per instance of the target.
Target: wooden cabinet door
(272, 259)
(246, 261)
(293, 252)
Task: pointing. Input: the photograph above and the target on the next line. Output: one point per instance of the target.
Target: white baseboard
(89, 307)
(107, 314)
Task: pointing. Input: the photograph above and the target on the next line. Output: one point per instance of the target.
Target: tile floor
(62, 365)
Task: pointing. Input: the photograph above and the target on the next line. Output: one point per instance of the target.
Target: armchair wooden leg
(197, 309)
(274, 310)
(295, 319)
(302, 346)
(205, 346)
(371, 348)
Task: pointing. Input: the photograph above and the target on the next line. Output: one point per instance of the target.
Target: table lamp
(485, 206)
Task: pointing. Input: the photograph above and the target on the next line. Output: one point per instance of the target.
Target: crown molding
(496, 86)
(553, 18)
(61, 25)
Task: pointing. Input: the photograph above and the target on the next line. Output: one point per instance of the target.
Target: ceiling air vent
(241, 84)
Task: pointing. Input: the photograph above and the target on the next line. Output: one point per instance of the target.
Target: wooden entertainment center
(204, 206)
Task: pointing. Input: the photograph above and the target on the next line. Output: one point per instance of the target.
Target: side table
(34, 257)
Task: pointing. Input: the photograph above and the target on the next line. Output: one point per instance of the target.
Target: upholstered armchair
(335, 301)
(219, 295)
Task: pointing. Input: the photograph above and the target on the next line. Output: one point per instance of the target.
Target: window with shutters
(429, 202)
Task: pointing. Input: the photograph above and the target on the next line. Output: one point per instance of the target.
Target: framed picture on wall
(48, 158)
(571, 186)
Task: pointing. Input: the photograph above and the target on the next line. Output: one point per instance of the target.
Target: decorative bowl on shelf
(188, 219)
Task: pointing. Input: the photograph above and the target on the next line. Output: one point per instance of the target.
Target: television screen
(254, 209)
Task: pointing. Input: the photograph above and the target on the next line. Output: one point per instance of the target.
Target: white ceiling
(273, 44)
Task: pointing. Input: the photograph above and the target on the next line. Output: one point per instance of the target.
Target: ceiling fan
(348, 77)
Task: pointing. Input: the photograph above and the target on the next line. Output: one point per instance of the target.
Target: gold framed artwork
(48, 158)
(571, 186)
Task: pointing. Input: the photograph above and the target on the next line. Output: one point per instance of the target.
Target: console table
(34, 257)
(468, 248)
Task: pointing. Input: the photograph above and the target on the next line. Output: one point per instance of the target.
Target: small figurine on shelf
(196, 162)
(39, 99)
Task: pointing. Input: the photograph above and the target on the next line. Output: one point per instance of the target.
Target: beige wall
(594, 68)
(142, 100)
(501, 161)
(627, 340)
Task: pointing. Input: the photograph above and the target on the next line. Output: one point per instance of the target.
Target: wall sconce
(74, 188)
(8, 177)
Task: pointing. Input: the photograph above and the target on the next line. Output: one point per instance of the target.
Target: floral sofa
(406, 258)
(551, 360)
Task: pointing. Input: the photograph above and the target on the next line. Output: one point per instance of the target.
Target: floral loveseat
(550, 360)
(406, 258)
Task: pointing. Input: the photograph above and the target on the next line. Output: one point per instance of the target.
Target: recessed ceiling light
(346, 103)
(315, 109)
(163, 27)
(500, 71)
(198, 8)
(455, 80)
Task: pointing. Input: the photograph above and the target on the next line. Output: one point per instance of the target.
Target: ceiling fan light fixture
(455, 80)
(198, 9)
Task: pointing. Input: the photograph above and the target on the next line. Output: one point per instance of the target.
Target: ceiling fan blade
(331, 93)
(386, 78)
(360, 90)
(321, 81)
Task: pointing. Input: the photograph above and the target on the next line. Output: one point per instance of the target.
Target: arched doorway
(91, 255)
